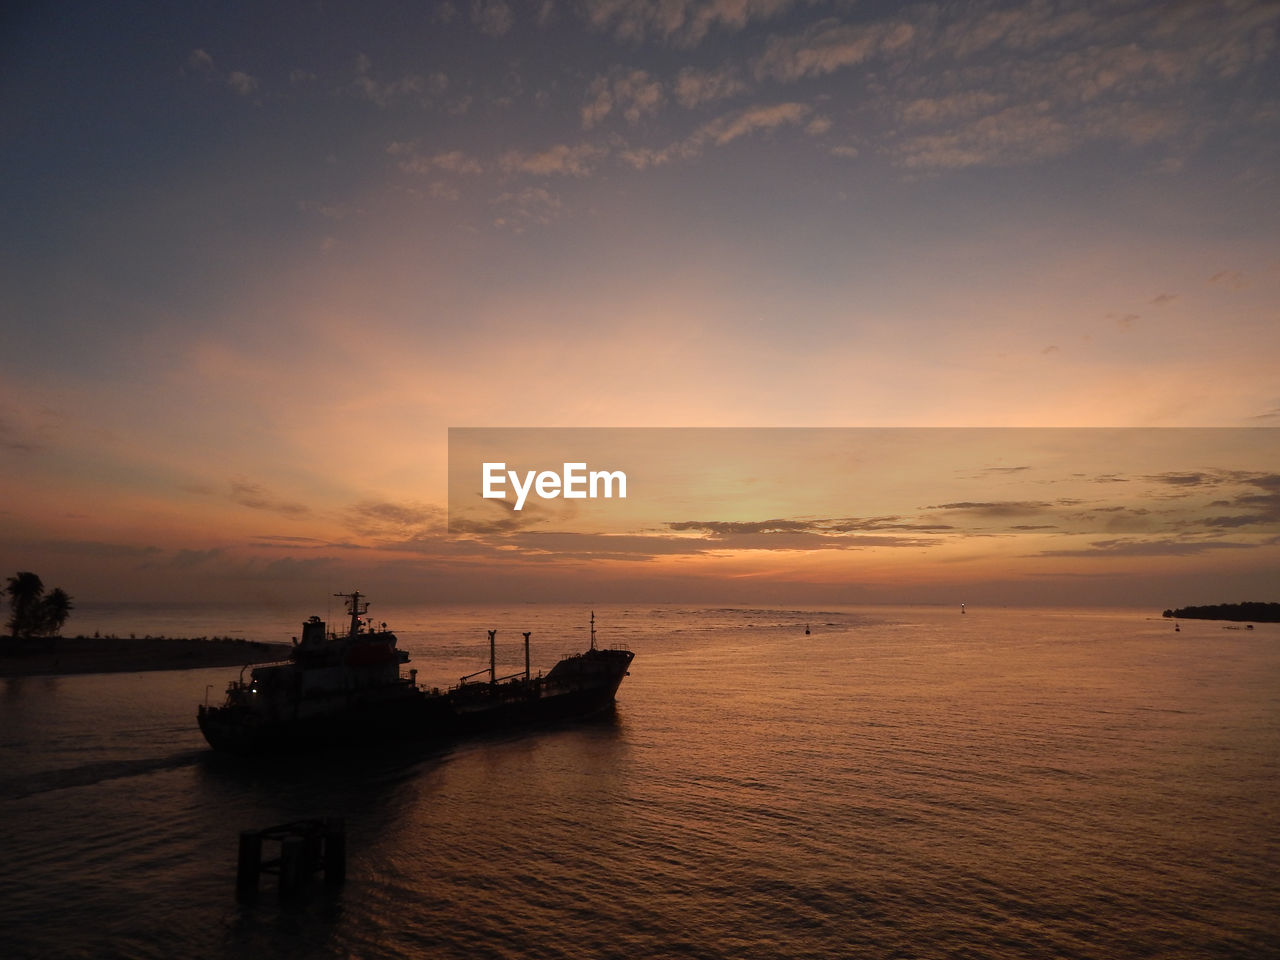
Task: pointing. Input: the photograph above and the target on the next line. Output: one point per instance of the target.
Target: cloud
(563, 545)
(728, 128)
(637, 95)
(1015, 135)
(383, 93)
(1256, 497)
(410, 160)
(1006, 508)
(694, 87)
(1189, 479)
(1131, 45)
(275, 540)
(256, 497)
(683, 23)
(379, 517)
(1235, 522)
(201, 61)
(810, 540)
(1020, 28)
(440, 190)
(1162, 299)
(832, 526)
(719, 132)
(1262, 507)
(508, 532)
(24, 430)
(560, 160)
(241, 82)
(956, 106)
(828, 46)
(1231, 279)
(498, 523)
(291, 570)
(633, 93)
(1149, 548)
(493, 17)
(599, 102)
(520, 209)
(187, 559)
(818, 126)
(1032, 82)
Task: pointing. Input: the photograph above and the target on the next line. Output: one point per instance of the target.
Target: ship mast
(593, 629)
(357, 611)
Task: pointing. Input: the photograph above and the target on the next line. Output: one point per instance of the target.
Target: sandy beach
(73, 655)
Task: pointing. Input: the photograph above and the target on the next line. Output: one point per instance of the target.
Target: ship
(342, 690)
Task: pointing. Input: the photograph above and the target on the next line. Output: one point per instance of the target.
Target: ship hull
(241, 732)
(577, 687)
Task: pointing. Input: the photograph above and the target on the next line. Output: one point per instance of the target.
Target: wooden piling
(335, 851)
(248, 863)
(292, 854)
(312, 851)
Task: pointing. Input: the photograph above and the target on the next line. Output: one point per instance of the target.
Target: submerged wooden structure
(305, 848)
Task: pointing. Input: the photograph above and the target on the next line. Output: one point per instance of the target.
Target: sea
(825, 782)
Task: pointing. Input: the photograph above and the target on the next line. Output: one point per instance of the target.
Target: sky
(259, 259)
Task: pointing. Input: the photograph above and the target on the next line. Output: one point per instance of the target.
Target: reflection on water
(904, 782)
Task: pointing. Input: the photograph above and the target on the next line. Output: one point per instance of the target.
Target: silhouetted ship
(348, 690)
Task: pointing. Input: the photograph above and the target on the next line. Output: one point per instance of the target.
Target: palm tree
(55, 609)
(25, 592)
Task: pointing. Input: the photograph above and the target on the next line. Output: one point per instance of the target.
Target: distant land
(1257, 612)
(57, 656)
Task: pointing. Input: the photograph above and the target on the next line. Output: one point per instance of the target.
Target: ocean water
(901, 782)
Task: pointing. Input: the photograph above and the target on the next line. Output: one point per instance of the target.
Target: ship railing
(482, 687)
(618, 647)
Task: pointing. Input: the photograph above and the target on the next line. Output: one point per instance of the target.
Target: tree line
(32, 612)
(1256, 611)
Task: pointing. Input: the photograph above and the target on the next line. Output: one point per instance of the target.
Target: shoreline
(69, 656)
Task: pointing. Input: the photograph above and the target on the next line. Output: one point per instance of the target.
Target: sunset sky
(259, 258)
